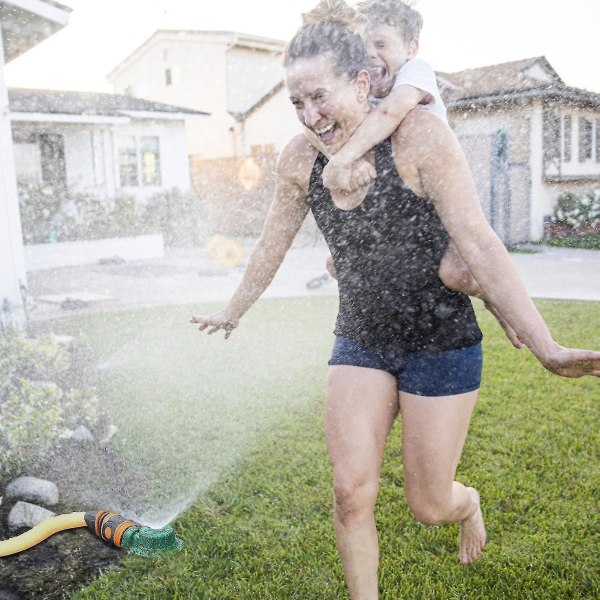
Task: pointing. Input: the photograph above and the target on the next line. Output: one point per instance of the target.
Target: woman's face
(329, 105)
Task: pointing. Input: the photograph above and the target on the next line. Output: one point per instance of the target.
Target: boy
(399, 83)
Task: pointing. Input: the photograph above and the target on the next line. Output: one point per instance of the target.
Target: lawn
(230, 434)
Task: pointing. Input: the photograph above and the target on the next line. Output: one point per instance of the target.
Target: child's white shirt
(419, 74)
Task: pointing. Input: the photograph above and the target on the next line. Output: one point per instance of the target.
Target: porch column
(12, 260)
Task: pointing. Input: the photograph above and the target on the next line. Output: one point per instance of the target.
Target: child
(399, 83)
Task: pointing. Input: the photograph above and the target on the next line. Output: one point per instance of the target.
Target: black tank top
(387, 254)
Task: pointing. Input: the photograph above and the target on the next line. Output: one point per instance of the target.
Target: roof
(516, 81)
(25, 23)
(55, 102)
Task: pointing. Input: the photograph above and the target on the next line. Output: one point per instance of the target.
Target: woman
(404, 341)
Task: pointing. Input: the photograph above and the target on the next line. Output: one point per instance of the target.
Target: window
(566, 138)
(585, 139)
(128, 169)
(139, 160)
(168, 77)
(150, 155)
(597, 140)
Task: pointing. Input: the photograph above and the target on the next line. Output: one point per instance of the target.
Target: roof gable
(87, 103)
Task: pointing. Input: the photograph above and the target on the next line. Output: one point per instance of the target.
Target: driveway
(188, 276)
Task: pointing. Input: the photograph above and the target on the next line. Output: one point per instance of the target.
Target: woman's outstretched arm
(445, 177)
(285, 217)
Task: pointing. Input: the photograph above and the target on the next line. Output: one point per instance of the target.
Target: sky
(457, 35)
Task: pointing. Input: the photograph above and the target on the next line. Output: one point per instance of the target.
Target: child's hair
(399, 14)
(330, 28)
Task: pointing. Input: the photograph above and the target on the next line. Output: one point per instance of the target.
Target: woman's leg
(361, 407)
(434, 432)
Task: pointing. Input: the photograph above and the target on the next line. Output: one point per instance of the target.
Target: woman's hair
(330, 28)
(399, 14)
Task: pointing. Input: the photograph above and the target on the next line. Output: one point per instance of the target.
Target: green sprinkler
(109, 526)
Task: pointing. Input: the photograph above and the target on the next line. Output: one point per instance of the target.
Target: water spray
(110, 527)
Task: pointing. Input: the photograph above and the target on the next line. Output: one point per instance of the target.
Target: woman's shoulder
(298, 150)
(296, 159)
(421, 131)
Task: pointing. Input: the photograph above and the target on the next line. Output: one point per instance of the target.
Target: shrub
(42, 394)
(56, 214)
(177, 215)
(578, 213)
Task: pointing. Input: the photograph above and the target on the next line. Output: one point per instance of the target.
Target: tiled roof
(518, 80)
(86, 103)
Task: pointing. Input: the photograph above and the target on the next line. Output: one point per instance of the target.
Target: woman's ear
(363, 85)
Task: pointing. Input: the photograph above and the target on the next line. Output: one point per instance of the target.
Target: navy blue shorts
(421, 373)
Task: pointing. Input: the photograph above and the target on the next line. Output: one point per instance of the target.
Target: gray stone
(82, 434)
(33, 489)
(24, 514)
(65, 340)
(112, 429)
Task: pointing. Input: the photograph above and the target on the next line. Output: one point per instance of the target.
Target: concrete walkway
(188, 276)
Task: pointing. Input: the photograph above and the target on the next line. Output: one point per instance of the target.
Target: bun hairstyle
(330, 28)
(332, 11)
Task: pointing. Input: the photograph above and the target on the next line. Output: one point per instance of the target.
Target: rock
(65, 340)
(112, 429)
(24, 514)
(33, 489)
(82, 434)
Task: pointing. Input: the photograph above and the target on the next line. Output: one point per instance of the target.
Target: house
(103, 143)
(527, 135)
(238, 78)
(23, 24)
(528, 138)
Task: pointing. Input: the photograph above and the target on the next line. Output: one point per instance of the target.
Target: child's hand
(337, 175)
(340, 176)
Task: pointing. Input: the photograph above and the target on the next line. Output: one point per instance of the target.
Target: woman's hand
(569, 362)
(216, 321)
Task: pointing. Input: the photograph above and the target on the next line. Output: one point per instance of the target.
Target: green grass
(588, 242)
(262, 528)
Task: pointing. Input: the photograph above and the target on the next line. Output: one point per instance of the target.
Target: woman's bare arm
(285, 217)
(442, 173)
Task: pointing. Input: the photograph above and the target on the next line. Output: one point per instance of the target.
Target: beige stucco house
(238, 79)
(527, 135)
(528, 138)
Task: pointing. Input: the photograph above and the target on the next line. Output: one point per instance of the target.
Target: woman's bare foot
(471, 539)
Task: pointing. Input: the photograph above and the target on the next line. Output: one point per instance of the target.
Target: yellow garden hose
(108, 526)
(42, 531)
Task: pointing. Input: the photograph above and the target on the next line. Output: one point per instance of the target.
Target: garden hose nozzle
(108, 526)
(123, 533)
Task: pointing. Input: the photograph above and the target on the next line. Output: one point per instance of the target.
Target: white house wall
(199, 83)
(273, 124)
(251, 75)
(91, 157)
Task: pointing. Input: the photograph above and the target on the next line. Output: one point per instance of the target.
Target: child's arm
(378, 125)
(360, 171)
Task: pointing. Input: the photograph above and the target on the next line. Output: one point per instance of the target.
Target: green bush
(42, 394)
(56, 214)
(580, 213)
(177, 215)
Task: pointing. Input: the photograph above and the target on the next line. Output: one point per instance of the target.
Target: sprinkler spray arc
(109, 526)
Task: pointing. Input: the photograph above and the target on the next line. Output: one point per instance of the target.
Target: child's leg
(456, 275)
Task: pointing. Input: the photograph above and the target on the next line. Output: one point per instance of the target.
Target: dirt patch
(63, 563)
(68, 560)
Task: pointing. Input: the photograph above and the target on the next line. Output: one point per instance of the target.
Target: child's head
(391, 29)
